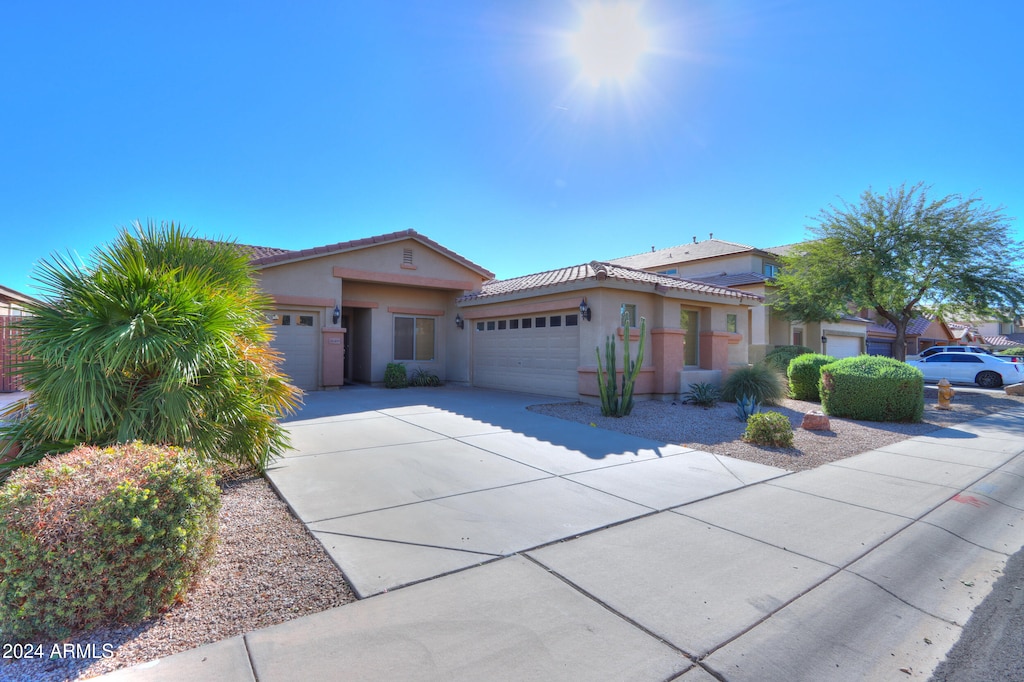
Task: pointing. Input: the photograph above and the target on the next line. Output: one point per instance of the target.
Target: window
(628, 312)
(414, 338)
(541, 322)
(670, 271)
(286, 320)
(967, 357)
(556, 320)
(490, 325)
(479, 326)
(798, 337)
(305, 321)
(730, 323)
(572, 320)
(502, 324)
(770, 270)
(527, 323)
(689, 322)
(513, 324)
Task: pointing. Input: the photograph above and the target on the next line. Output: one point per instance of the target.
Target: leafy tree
(904, 255)
(162, 339)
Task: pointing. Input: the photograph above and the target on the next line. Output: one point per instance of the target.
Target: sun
(610, 42)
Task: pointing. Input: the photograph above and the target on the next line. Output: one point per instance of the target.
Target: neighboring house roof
(916, 327)
(783, 250)
(998, 341)
(737, 280)
(12, 295)
(599, 271)
(253, 252)
(355, 244)
(709, 248)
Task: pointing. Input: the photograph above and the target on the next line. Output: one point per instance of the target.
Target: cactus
(614, 404)
(746, 406)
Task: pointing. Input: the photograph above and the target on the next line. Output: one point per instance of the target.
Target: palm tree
(163, 338)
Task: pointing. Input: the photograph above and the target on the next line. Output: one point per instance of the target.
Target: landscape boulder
(815, 420)
(1014, 389)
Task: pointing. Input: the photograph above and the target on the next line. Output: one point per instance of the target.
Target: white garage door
(536, 354)
(843, 346)
(295, 335)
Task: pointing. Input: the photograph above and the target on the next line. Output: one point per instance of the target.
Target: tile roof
(253, 252)
(998, 341)
(600, 271)
(736, 280)
(286, 256)
(709, 248)
(916, 327)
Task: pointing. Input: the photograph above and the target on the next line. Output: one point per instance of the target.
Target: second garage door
(537, 354)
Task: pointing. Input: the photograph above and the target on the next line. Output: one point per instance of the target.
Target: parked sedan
(970, 368)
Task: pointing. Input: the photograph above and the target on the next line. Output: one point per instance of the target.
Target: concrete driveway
(405, 485)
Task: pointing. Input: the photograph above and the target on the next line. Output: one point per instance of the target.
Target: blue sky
(308, 123)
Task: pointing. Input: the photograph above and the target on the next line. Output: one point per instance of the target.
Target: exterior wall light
(337, 314)
(459, 322)
(585, 310)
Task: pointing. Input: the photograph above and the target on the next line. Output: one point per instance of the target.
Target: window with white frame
(414, 338)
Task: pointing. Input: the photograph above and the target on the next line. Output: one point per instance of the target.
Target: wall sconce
(823, 340)
(459, 322)
(337, 314)
(585, 310)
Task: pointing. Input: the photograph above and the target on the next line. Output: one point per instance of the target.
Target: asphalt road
(991, 647)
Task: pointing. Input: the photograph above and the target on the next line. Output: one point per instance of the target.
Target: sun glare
(610, 42)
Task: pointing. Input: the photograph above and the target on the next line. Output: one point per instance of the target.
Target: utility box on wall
(333, 357)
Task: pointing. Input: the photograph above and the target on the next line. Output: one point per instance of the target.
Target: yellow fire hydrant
(946, 393)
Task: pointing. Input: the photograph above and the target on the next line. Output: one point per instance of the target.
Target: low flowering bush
(102, 535)
(769, 428)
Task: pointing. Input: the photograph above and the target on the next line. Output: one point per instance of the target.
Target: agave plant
(162, 338)
(746, 406)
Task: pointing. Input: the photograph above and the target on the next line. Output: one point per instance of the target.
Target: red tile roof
(287, 256)
(736, 280)
(600, 271)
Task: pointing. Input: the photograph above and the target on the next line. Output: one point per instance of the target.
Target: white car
(970, 368)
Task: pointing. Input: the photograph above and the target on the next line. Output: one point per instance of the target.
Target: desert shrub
(769, 428)
(873, 388)
(97, 536)
(746, 406)
(394, 375)
(702, 393)
(1016, 350)
(780, 357)
(424, 377)
(805, 375)
(764, 384)
(161, 337)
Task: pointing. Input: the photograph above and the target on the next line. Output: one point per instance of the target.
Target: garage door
(295, 335)
(843, 346)
(537, 354)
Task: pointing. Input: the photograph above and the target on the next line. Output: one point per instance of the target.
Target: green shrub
(97, 536)
(769, 428)
(1016, 350)
(424, 377)
(805, 375)
(761, 382)
(778, 358)
(872, 388)
(702, 393)
(394, 375)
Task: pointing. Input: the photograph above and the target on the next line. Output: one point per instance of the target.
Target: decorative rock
(815, 420)
(1014, 389)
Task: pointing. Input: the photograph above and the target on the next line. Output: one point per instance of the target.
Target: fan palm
(162, 339)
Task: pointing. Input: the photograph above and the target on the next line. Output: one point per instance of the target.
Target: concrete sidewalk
(862, 569)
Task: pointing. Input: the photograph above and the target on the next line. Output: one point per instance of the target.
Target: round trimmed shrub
(769, 428)
(873, 388)
(395, 376)
(764, 384)
(804, 375)
(94, 536)
(780, 357)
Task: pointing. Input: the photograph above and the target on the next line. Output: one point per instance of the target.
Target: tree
(164, 339)
(904, 255)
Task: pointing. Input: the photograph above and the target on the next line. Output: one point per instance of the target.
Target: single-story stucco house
(342, 312)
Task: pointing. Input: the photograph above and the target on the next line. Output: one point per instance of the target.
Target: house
(12, 306)
(342, 312)
(921, 333)
(750, 269)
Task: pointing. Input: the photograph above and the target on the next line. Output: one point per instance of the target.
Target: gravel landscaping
(268, 569)
(718, 430)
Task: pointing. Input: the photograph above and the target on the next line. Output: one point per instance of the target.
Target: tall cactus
(612, 403)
